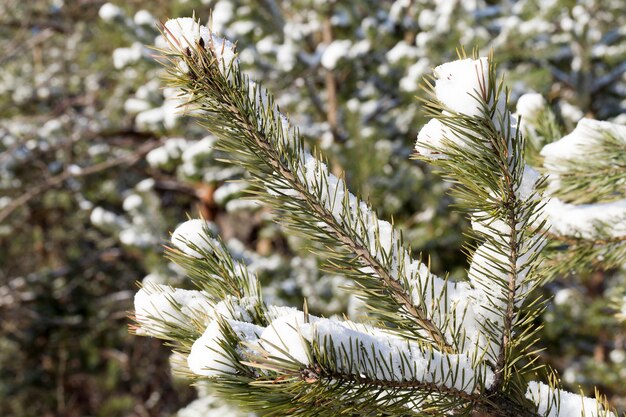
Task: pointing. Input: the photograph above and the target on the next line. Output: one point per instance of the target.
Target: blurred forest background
(97, 165)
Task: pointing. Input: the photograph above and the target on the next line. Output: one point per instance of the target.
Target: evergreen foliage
(428, 345)
(97, 164)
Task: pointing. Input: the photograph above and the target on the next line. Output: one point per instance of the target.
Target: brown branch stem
(493, 405)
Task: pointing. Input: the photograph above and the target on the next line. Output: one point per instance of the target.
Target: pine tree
(428, 346)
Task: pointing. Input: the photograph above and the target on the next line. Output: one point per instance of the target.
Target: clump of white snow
(528, 183)
(183, 34)
(530, 106)
(172, 149)
(208, 357)
(334, 52)
(580, 142)
(123, 57)
(402, 51)
(144, 18)
(284, 338)
(240, 309)
(585, 220)
(430, 138)
(191, 236)
(160, 307)
(462, 85)
(558, 403)
(289, 337)
(221, 14)
(109, 12)
(186, 32)
(132, 202)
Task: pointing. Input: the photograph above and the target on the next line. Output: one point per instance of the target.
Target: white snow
(197, 150)
(284, 338)
(288, 338)
(274, 312)
(435, 137)
(563, 296)
(132, 202)
(190, 237)
(427, 19)
(144, 18)
(334, 52)
(185, 32)
(287, 56)
(429, 139)
(583, 220)
(164, 116)
(221, 14)
(134, 105)
(570, 112)
(134, 236)
(461, 85)
(530, 105)
(528, 183)
(208, 356)
(145, 185)
(242, 204)
(558, 403)
(123, 57)
(209, 405)
(104, 218)
(172, 149)
(580, 142)
(160, 307)
(157, 157)
(381, 238)
(489, 266)
(406, 359)
(410, 82)
(228, 191)
(239, 309)
(108, 12)
(401, 51)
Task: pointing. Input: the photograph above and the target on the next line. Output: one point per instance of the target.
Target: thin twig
(58, 180)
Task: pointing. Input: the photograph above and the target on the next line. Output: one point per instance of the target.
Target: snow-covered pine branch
(538, 124)
(477, 145)
(586, 210)
(588, 164)
(209, 263)
(441, 348)
(552, 402)
(257, 136)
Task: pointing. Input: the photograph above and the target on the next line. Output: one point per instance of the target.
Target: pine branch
(566, 255)
(376, 369)
(427, 397)
(589, 164)
(210, 264)
(478, 147)
(445, 348)
(252, 130)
